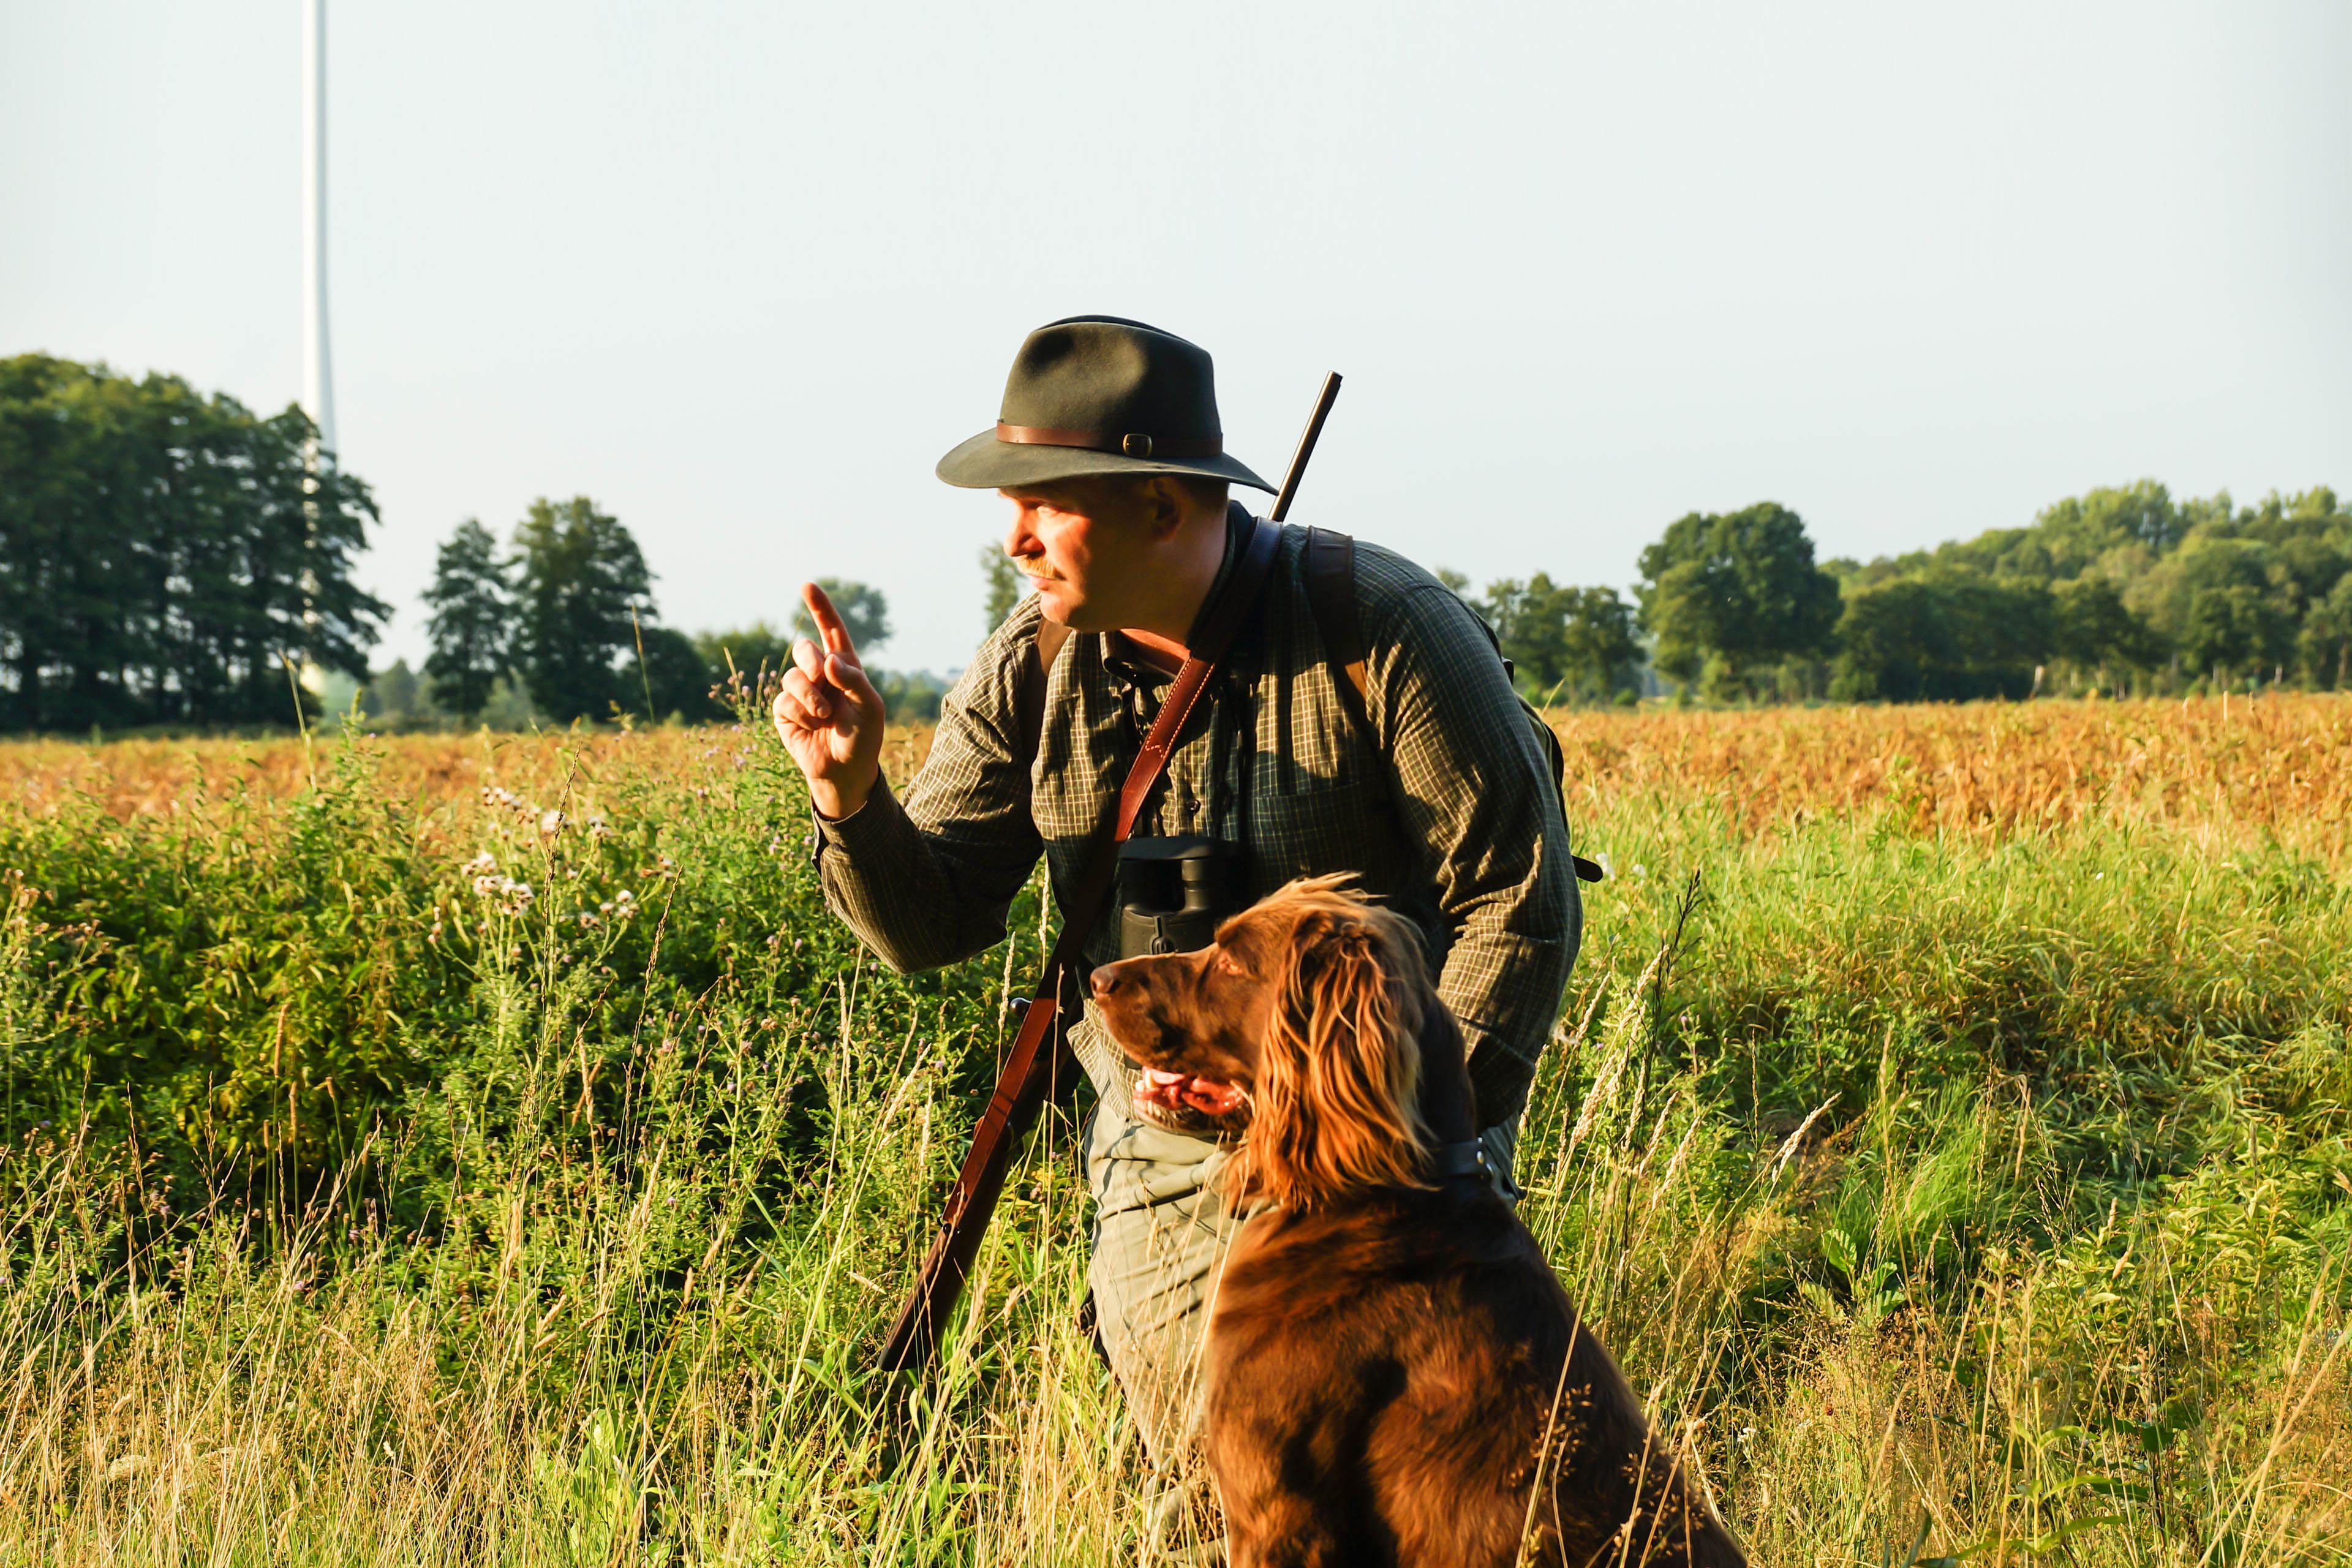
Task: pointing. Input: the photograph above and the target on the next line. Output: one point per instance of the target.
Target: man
(1109, 448)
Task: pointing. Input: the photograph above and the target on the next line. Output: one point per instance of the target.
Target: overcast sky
(742, 272)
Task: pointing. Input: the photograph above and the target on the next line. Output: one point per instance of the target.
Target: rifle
(1041, 1065)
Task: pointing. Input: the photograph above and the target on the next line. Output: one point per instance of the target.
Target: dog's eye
(1227, 964)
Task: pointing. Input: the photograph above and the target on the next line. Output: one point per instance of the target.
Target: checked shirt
(1451, 819)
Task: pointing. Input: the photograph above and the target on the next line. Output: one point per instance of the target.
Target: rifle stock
(1039, 1066)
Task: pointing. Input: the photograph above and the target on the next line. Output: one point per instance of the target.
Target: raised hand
(829, 714)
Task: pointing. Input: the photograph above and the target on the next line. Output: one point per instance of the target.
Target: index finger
(828, 622)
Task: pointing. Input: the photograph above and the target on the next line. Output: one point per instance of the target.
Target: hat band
(1131, 445)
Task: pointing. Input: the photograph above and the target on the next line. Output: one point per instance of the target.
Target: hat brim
(985, 463)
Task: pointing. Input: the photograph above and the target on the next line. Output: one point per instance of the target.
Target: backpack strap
(1331, 594)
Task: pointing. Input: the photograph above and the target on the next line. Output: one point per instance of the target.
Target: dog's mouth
(1186, 1101)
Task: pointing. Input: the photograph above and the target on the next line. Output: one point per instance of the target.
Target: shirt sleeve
(928, 881)
(1473, 784)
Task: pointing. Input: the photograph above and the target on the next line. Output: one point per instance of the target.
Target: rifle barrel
(1330, 395)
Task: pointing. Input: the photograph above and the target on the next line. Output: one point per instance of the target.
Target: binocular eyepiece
(1174, 892)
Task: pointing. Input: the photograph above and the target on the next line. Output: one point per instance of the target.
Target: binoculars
(1174, 892)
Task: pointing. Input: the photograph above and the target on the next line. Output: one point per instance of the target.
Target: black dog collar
(1467, 1159)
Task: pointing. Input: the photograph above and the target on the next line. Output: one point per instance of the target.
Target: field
(488, 1150)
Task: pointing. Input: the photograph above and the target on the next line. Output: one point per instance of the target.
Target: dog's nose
(1103, 981)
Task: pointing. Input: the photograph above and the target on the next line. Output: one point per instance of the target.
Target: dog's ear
(1337, 1103)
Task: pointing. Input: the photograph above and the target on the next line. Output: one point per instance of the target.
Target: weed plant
(526, 1176)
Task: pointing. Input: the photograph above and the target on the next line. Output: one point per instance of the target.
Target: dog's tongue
(1179, 1091)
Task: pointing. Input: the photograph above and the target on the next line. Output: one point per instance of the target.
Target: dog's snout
(1103, 981)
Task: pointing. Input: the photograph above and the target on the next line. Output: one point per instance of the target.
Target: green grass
(1981, 1196)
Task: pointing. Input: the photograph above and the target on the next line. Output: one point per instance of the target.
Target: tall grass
(1950, 1188)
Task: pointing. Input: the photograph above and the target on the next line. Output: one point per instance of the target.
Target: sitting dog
(1392, 1374)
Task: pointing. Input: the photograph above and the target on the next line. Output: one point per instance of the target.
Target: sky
(741, 272)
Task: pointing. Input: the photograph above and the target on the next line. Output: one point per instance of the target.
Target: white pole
(317, 386)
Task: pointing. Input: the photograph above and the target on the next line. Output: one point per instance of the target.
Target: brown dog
(1392, 1373)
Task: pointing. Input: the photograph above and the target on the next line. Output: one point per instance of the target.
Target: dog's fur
(1392, 1373)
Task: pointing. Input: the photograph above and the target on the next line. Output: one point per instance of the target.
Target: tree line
(2122, 591)
(168, 558)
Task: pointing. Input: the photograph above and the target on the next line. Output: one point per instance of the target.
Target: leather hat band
(1132, 446)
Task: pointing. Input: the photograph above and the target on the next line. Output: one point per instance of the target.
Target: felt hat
(1098, 394)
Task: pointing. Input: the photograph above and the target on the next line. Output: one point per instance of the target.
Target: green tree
(1004, 584)
(395, 698)
(579, 576)
(1559, 637)
(165, 556)
(912, 696)
(863, 610)
(1738, 589)
(1890, 638)
(673, 676)
(1598, 642)
(2325, 646)
(2093, 628)
(1941, 635)
(1526, 619)
(750, 649)
(2233, 618)
(2075, 534)
(473, 621)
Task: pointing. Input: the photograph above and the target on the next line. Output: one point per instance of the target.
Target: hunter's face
(1088, 548)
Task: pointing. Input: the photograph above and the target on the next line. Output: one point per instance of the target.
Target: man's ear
(1159, 505)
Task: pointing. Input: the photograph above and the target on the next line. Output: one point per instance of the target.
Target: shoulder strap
(1331, 595)
(1041, 1065)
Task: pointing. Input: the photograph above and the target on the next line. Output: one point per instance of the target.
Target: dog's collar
(1467, 1159)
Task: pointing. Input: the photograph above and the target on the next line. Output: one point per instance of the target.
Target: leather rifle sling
(1041, 1064)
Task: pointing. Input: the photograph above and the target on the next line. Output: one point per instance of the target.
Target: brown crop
(2278, 764)
(2281, 763)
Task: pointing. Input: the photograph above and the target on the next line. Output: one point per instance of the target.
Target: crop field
(487, 1148)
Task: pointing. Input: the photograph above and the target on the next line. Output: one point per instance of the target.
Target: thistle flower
(482, 865)
(550, 823)
(512, 896)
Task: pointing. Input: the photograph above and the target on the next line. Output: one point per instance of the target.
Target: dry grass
(1973, 1176)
